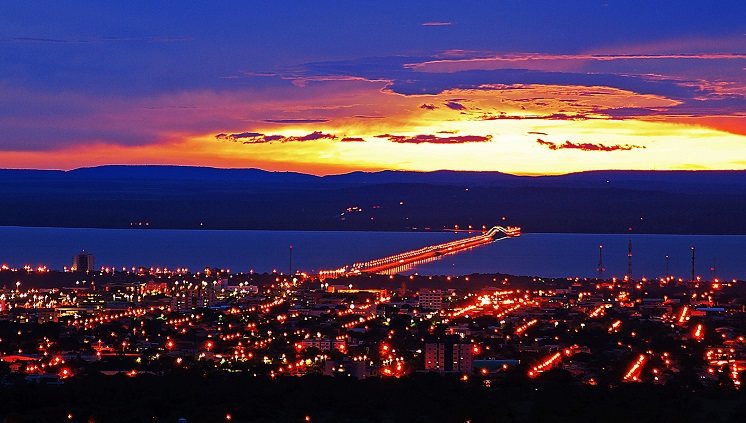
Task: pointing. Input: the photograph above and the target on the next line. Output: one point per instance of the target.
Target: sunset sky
(523, 87)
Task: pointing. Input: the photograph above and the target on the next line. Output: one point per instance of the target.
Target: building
(446, 355)
(191, 297)
(356, 369)
(431, 299)
(323, 344)
(83, 262)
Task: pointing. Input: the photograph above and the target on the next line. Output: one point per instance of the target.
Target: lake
(549, 255)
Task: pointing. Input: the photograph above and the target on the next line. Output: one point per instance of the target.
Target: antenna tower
(629, 256)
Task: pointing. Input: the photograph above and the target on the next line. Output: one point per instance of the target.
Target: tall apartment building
(446, 355)
(431, 299)
(83, 262)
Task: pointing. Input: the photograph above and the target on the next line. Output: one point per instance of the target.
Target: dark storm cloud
(316, 135)
(247, 135)
(586, 146)
(296, 120)
(454, 105)
(259, 138)
(553, 116)
(434, 139)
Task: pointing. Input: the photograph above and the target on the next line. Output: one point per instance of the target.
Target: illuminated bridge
(406, 260)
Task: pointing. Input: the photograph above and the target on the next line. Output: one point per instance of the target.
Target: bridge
(408, 259)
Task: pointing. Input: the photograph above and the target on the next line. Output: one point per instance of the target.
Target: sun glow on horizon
(361, 125)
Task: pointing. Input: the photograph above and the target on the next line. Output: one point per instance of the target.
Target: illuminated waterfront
(557, 255)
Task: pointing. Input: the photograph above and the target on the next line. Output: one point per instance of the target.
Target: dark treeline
(420, 398)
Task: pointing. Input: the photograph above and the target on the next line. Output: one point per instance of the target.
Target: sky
(327, 87)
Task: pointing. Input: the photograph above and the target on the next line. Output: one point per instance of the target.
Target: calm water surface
(551, 255)
(561, 255)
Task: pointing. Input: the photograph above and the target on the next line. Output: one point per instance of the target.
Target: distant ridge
(666, 180)
(186, 173)
(188, 197)
(449, 177)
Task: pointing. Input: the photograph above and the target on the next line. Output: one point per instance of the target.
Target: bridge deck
(418, 256)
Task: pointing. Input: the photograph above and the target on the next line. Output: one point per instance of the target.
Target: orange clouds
(552, 62)
(345, 125)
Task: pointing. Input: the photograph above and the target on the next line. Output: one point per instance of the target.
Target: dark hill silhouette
(208, 198)
(187, 173)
